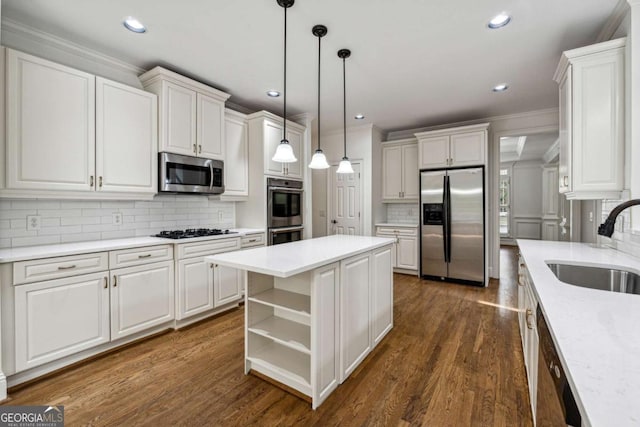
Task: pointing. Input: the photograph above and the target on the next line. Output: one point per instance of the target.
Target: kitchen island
(314, 309)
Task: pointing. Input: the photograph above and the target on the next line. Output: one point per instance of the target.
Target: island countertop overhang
(297, 257)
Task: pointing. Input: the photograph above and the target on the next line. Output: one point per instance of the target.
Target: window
(505, 201)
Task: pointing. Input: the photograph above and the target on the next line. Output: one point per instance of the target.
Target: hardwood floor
(453, 358)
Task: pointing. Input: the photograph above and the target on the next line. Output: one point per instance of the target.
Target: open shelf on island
(283, 364)
(278, 298)
(286, 332)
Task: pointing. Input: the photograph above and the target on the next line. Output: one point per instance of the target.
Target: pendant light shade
(284, 152)
(345, 164)
(319, 160)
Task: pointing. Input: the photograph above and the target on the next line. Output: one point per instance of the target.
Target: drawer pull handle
(115, 280)
(253, 240)
(105, 282)
(144, 256)
(67, 267)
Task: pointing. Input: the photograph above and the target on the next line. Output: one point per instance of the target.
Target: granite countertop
(596, 332)
(297, 257)
(48, 251)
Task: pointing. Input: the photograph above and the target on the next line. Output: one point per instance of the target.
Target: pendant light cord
(344, 104)
(319, 42)
(284, 127)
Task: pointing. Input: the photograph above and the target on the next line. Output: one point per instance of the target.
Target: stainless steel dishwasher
(555, 405)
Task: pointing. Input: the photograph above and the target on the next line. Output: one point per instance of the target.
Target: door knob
(333, 221)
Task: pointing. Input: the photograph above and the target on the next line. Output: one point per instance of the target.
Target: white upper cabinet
(126, 135)
(210, 127)
(592, 101)
(454, 147)
(50, 125)
(236, 171)
(74, 135)
(191, 114)
(265, 133)
(400, 171)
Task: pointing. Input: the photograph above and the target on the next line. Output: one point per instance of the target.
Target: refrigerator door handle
(445, 222)
(448, 218)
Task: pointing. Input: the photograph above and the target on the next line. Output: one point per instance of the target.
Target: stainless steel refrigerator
(452, 225)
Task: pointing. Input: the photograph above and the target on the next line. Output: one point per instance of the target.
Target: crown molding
(24, 31)
(351, 129)
(615, 19)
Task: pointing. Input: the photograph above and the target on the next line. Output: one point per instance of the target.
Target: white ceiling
(526, 147)
(414, 63)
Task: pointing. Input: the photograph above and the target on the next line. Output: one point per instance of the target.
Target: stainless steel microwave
(187, 174)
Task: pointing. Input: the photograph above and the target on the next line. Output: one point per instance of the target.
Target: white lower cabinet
(57, 318)
(527, 306)
(227, 285)
(382, 294)
(405, 250)
(355, 313)
(141, 297)
(195, 293)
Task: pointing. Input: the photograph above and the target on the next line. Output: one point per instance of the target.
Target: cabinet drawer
(400, 231)
(138, 256)
(208, 247)
(53, 268)
(252, 240)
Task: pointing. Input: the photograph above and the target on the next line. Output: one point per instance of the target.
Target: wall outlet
(117, 218)
(220, 216)
(33, 222)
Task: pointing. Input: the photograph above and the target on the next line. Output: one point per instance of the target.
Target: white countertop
(293, 258)
(397, 224)
(597, 333)
(48, 251)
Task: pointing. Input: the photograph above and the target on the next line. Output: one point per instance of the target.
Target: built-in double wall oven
(284, 210)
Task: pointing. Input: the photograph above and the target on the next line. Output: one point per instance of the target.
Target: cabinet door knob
(100, 182)
(195, 148)
(565, 181)
(91, 181)
(106, 285)
(115, 280)
(529, 314)
(200, 149)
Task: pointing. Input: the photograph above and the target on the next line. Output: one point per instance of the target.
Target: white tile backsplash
(66, 221)
(403, 213)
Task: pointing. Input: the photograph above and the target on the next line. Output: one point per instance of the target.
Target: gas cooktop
(193, 232)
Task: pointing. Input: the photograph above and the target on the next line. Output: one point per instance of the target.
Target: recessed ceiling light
(132, 24)
(359, 116)
(499, 21)
(500, 88)
(273, 93)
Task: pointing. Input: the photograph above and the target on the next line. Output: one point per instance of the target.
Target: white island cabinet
(314, 309)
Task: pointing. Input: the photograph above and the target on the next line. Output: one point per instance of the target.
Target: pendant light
(319, 160)
(284, 152)
(345, 164)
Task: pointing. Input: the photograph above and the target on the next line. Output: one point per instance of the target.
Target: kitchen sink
(604, 279)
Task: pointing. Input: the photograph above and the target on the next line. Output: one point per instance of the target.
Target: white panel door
(178, 133)
(345, 204)
(382, 294)
(410, 172)
(236, 170)
(50, 125)
(468, 149)
(210, 127)
(195, 287)
(392, 173)
(60, 317)
(141, 298)
(294, 170)
(407, 253)
(355, 313)
(126, 138)
(272, 137)
(433, 152)
(227, 285)
(325, 332)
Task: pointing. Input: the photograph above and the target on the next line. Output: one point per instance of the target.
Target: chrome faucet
(606, 228)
